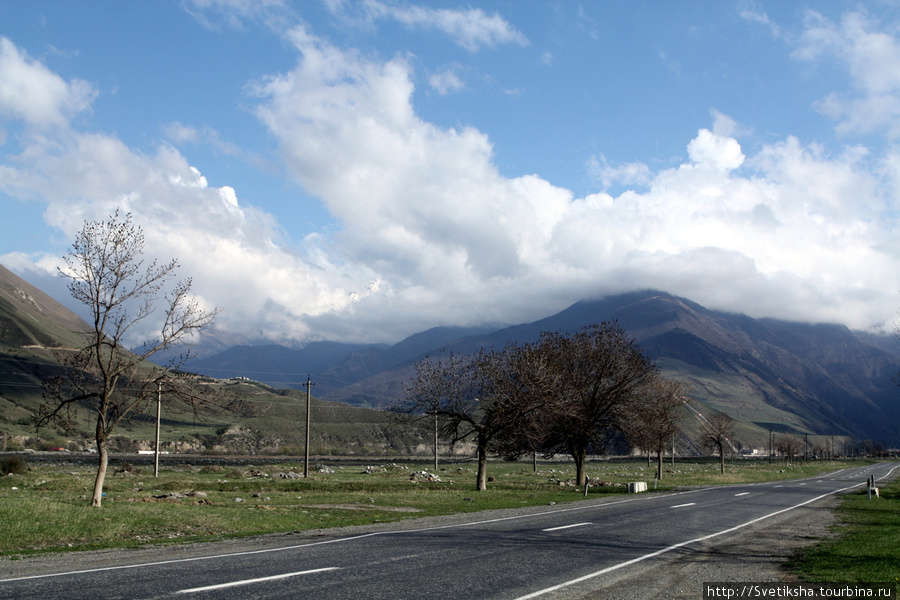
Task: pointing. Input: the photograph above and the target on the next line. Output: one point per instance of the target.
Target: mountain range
(770, 375)
(809, 378)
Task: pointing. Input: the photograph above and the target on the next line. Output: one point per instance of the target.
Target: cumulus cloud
(432, 233)
(410, 195)
(31, 92)
(426, 209)
(709, 150)
(224, 245)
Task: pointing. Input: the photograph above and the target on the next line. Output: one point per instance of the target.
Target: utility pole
(309, 385)
(158, 413)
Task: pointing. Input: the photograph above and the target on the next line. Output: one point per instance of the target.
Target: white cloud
(872, 58)
(472, 29)
(762, 18)
(709, 150)
(788, 232)
(445, 82)
(608, 175)
(432, 233)
(231, 250)
(232, 14)
(31, 92)
(179, 134)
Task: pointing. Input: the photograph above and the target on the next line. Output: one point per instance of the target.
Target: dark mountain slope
(33, 329)
(816, 378)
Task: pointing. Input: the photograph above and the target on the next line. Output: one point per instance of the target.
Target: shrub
(13, 464)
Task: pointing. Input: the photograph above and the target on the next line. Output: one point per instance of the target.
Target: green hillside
(36, 333)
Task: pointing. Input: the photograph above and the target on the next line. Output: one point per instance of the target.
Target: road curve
(544, 555)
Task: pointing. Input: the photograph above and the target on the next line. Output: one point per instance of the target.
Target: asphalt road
(550, 555)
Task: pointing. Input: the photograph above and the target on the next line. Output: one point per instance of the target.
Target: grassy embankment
(867, 545)
(46, 508)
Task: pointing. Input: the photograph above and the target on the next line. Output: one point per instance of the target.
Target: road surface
(558, 553)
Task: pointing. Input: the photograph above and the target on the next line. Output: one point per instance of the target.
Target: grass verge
(47, 508)
(865, 548)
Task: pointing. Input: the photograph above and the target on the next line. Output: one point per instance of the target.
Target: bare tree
(790, 446)
(652, 421)
(107, 274)
(479, 397)
(597, 374)
(718, 432)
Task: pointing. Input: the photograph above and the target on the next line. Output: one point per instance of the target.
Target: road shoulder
(757, 553)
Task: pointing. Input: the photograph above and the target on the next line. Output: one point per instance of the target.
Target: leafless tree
(718, 431)
(652, 421)
(790, 446)
(597, 375)
(479, 397)
(107, 274)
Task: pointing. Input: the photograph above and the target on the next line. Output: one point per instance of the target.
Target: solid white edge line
(682, 544)
(566, 526)
(220, 586)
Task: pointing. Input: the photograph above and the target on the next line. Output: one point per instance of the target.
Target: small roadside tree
(790, 447)
(653, 420)
(717, 434)
(107, 274)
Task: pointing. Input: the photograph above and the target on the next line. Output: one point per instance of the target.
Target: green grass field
(867, 545)
(47, 507)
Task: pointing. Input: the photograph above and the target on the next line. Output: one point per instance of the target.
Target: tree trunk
(103, 456)
(482, 466)
(659, 462)
(435, 443)
(578, 455)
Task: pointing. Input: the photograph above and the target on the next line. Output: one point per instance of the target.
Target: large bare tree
(653, 421)
(480, 397)
(107, 273)
(598, 374)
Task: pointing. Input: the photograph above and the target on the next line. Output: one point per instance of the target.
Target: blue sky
(365, 170)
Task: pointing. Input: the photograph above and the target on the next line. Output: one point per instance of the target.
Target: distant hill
(335, 365)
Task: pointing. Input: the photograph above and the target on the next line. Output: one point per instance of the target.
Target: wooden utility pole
(309, 385)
